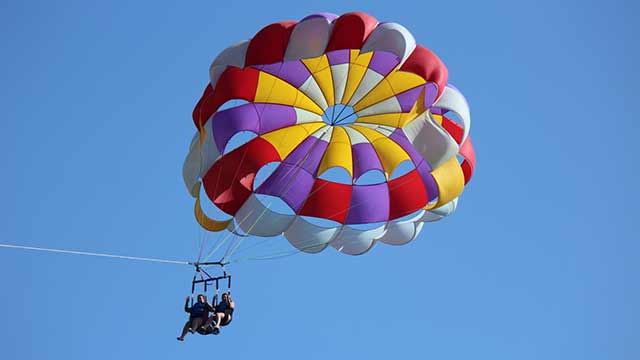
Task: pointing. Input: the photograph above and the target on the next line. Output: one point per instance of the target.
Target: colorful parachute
(330, 92)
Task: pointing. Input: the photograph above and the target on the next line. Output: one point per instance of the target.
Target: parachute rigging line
(233, 247)
(224, 240)
(288, 185)
(136, 258)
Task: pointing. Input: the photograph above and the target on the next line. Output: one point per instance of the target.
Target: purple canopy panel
(430, 94)
(437, 111)
(383, 62)
(369, 204)
(400, 138)
(275, 116)
(429, 182)
(308, 154)
(364, 159)
(338, 57)
(291, 184)
(408, 98)
(293, 72)
(273, 69)
(227, 123)
(328, 16)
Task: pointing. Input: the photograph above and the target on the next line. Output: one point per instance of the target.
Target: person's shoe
(180, 338)
(216, 330)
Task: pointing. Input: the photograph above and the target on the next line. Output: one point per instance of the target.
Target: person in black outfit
(198, 315)
(222, 314)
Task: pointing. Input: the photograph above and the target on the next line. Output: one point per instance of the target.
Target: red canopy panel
(269, 44)
(328, 200)
(469, 163)
(350, 31)
(197, 115)
(229, 182)
(466, 149)
(407, 194)
(234, 83)
(425, 63)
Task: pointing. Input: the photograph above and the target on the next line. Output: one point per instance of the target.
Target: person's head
(201, 298)
(225, 296)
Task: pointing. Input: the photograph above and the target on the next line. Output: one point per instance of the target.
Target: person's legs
(195, 324)
(185, 330)
(218, 317)
(209, 321)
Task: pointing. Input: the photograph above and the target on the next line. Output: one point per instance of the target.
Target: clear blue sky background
(539, 262)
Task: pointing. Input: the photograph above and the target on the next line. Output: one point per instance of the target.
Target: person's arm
(186, 306)
(231, 303)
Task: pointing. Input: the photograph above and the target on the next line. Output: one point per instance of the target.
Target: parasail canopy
(352, 126)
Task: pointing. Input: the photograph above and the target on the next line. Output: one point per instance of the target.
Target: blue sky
(539, 262)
